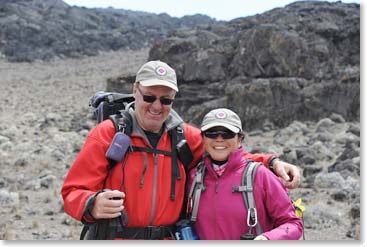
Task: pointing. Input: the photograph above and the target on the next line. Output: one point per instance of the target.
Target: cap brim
(157, 82)
(228, 126)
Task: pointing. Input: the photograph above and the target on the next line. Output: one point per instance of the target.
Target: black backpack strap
(175, 170)
(123, 122)
(182, 151)
(151, 150)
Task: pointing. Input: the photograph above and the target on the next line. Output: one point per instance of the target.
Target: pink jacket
(222, 214)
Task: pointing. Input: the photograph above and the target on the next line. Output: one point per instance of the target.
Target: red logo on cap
(161, 71)
(220, 115)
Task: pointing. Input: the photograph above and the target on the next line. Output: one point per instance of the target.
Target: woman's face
(219, 142)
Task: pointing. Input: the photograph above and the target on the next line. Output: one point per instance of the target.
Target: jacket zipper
(154, 188)
(216, 185)
(215, 204)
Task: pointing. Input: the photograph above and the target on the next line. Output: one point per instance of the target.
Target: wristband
(271, 163)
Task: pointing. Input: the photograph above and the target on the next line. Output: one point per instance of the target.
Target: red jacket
(147, 190)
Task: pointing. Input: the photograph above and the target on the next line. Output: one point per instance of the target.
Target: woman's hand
(261, 237)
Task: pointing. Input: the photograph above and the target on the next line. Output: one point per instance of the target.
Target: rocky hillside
(39, 29)
(293, 74)
(301, 62)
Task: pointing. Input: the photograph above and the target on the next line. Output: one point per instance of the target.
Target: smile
(154, 113)
(219, 148)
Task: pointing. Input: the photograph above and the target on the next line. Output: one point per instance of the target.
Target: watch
(272, 161)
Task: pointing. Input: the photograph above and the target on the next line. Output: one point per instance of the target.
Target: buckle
(150, 232)
(155, 232)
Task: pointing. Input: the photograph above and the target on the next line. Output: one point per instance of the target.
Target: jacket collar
(171, 122)
(236, 159)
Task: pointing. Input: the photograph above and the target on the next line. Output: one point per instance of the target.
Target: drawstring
(144, 170)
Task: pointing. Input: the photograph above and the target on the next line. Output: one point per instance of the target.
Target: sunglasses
(151, 99)
(225, 134)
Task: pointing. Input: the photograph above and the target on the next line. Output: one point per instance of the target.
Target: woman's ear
(241, 136)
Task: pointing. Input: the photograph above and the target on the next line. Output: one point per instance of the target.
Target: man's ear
(135, 87)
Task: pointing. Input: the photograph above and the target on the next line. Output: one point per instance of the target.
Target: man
(141, 186)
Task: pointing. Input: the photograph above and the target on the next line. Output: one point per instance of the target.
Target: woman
(222, 213)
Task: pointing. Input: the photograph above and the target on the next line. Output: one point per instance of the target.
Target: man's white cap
(157, 73)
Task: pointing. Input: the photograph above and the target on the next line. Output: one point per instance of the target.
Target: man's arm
(290, 173)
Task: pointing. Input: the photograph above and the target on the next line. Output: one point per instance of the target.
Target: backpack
(246, 188)
(114, 106)
(111, 105)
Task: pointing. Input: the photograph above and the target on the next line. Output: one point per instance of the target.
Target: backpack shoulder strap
(122, 121)
(246, 188)
(184, 152)
(197, 186)
(123, 124)
(247, 184)
(180, 150)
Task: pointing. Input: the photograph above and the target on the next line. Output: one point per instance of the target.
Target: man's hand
(290, 173)
(108, 205)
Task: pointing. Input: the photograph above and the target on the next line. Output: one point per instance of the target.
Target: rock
(293, 69)
(348, 167)
(289, 155)
(355, 129)
(11, 132)
(4, 139)
(337, 118)
(21, 162)
(330, 180)
(324, 125)
(8, 198)
(120, 84)
(320, 152)
(340, 196)
(37, 35)
(355, 211)
(321, 216)
(3, 182)
(350, 151)
(310, 170)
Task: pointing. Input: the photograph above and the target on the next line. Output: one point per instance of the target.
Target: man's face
(151, 115)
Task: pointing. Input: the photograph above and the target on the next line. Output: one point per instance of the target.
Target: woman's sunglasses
(151, 99)
(215, 133)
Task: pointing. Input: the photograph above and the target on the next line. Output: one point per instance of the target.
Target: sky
(219, 9)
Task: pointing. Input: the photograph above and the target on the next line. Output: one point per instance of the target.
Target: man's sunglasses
(214, 134)
(151, 99)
